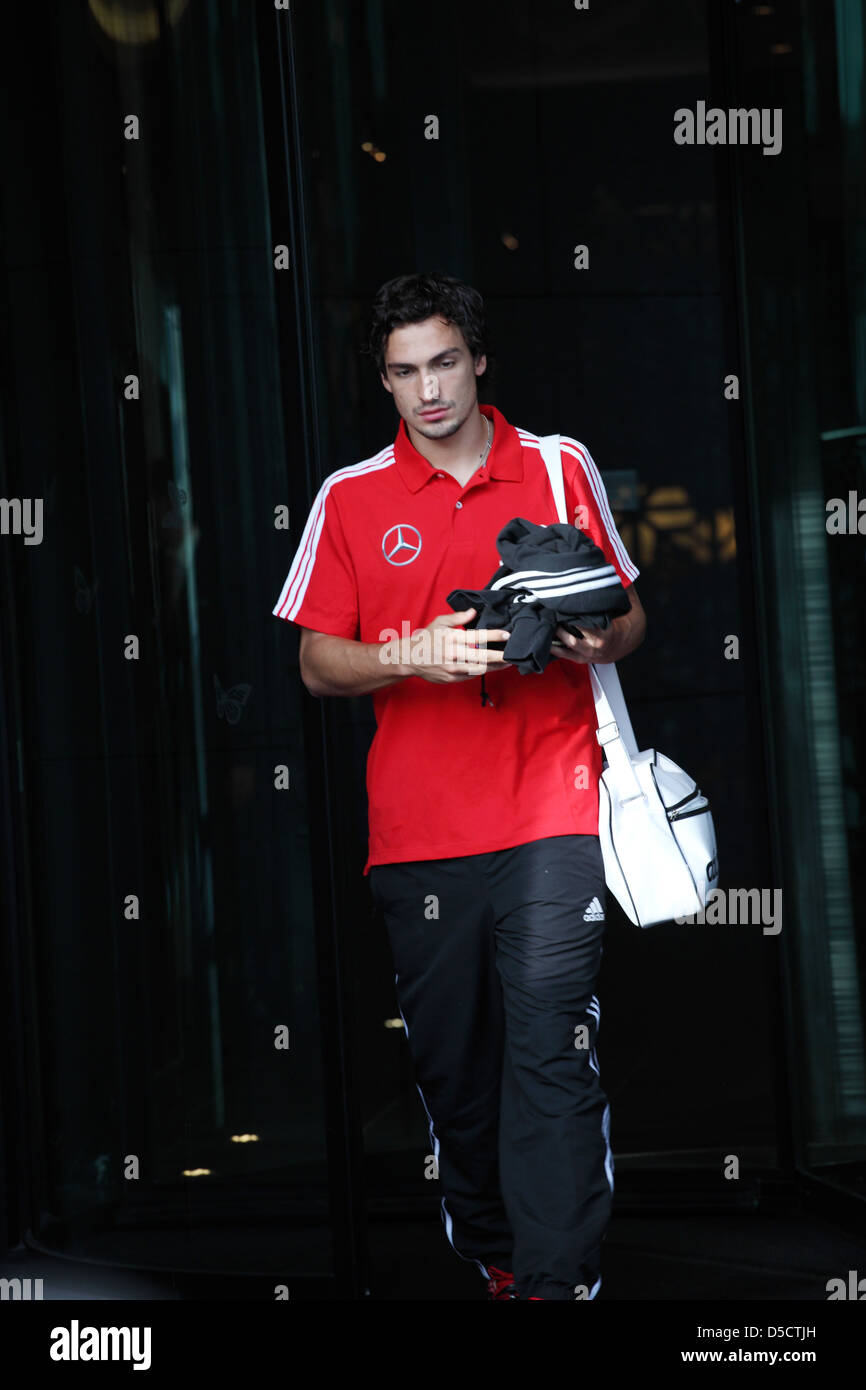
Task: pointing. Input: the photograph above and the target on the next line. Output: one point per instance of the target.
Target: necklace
(482, 456)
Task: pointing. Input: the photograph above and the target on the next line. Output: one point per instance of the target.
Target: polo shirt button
(458, 504)
(440, 475)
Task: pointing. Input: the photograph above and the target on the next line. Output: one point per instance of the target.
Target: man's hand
(590, 647)
(616, 641)
(443, 654)
(343, 666)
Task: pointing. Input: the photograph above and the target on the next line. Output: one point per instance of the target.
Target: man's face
(431, 374)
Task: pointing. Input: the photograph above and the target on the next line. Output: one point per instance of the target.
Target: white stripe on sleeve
(298, 577)
(593, 477)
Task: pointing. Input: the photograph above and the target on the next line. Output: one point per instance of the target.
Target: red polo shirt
(387, 539)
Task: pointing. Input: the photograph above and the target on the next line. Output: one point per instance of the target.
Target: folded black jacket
(550, 576)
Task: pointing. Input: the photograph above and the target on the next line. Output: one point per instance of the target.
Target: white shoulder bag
(656, 830)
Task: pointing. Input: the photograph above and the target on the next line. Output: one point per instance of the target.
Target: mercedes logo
(402, 544)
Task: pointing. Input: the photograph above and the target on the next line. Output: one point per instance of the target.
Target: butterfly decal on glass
(230, 703)
(84, 594)
(177, 498)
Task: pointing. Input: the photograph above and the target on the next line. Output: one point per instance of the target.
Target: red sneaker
(500, 1285)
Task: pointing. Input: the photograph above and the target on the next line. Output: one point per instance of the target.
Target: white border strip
(298, 577)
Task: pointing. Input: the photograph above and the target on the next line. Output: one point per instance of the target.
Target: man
(483, 796)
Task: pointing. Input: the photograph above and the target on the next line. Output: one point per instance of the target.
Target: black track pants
(497, 957)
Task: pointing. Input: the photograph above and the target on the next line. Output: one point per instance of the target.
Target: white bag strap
(610, 708)
(610, 705)
(552, 455)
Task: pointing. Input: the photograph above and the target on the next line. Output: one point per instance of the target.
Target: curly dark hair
(413, 298)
